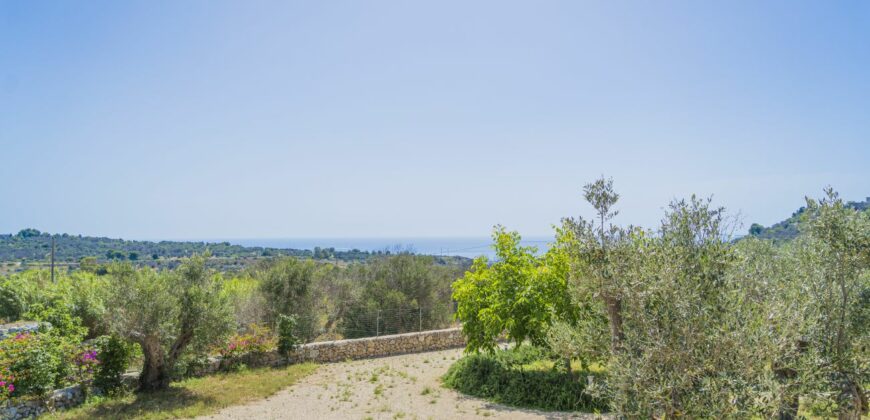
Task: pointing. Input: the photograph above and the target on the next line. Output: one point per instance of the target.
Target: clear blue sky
(207, 119)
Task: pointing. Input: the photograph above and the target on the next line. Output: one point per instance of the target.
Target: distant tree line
(32, 245)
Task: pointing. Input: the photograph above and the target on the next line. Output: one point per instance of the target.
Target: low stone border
(20, 327)
(59, 399)
(322, 352)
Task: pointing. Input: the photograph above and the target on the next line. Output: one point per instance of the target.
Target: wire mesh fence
(375, 322)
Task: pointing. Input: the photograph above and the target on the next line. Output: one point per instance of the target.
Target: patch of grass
(192, 397)
(345, 392)
(522, 378)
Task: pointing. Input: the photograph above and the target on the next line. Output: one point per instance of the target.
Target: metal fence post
(421, 318)
(378, 324)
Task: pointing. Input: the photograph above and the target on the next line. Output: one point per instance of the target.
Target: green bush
(61, 319)
(11, 302)
(287, 339)
(114, 355)
(189, 365)
(506, 377)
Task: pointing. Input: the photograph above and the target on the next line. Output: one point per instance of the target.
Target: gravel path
(398, 387)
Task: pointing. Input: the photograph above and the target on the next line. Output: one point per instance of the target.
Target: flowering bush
(7, 387)
(258, 341)
(34, 361)
(84, 363)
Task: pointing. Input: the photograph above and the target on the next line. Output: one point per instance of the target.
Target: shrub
(60, 316)
(287, 339)
(11, 302)
(83, 365)
(252, 345)
(35, 362)
(505, 377)
(288, 287)
(114, 356)
(190, 364)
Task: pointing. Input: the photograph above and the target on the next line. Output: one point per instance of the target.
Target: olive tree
(166, 312)
(680, 342)
(601, 254)
(835, 260)
(684, 351)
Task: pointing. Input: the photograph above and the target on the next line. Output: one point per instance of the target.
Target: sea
(469, 247)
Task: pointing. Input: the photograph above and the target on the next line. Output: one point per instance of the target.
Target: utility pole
(52, 258)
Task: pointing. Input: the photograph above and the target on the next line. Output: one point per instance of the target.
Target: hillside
(30, 245)
(789, 228)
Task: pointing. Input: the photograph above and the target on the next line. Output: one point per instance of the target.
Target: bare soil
(398, 387)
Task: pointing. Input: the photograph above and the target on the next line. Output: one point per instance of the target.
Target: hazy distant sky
(242, 119)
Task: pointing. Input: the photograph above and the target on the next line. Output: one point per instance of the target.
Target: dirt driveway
(398, 387)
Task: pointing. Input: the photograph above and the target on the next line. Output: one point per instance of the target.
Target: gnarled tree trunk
(155, 370)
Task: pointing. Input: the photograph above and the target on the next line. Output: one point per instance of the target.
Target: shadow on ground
(150, 404)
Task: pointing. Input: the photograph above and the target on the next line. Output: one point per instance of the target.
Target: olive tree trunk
(157, 364)
(614, 313)
(155, 372)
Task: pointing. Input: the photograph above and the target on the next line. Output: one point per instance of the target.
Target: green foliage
(22, 290)
(756, 229)
(835, 257)
(245, 297)
(114, 254)
(59, 320)
(511, 377)
(288, 286)
(89, 264)
(74, 301)
(520, 294)
(403, 288)
(28, 233)
(684, 352)
(12, 302)
(287, 339)
(114, 355)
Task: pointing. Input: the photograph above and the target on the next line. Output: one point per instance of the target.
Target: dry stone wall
(389, 345)
(359, 348)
